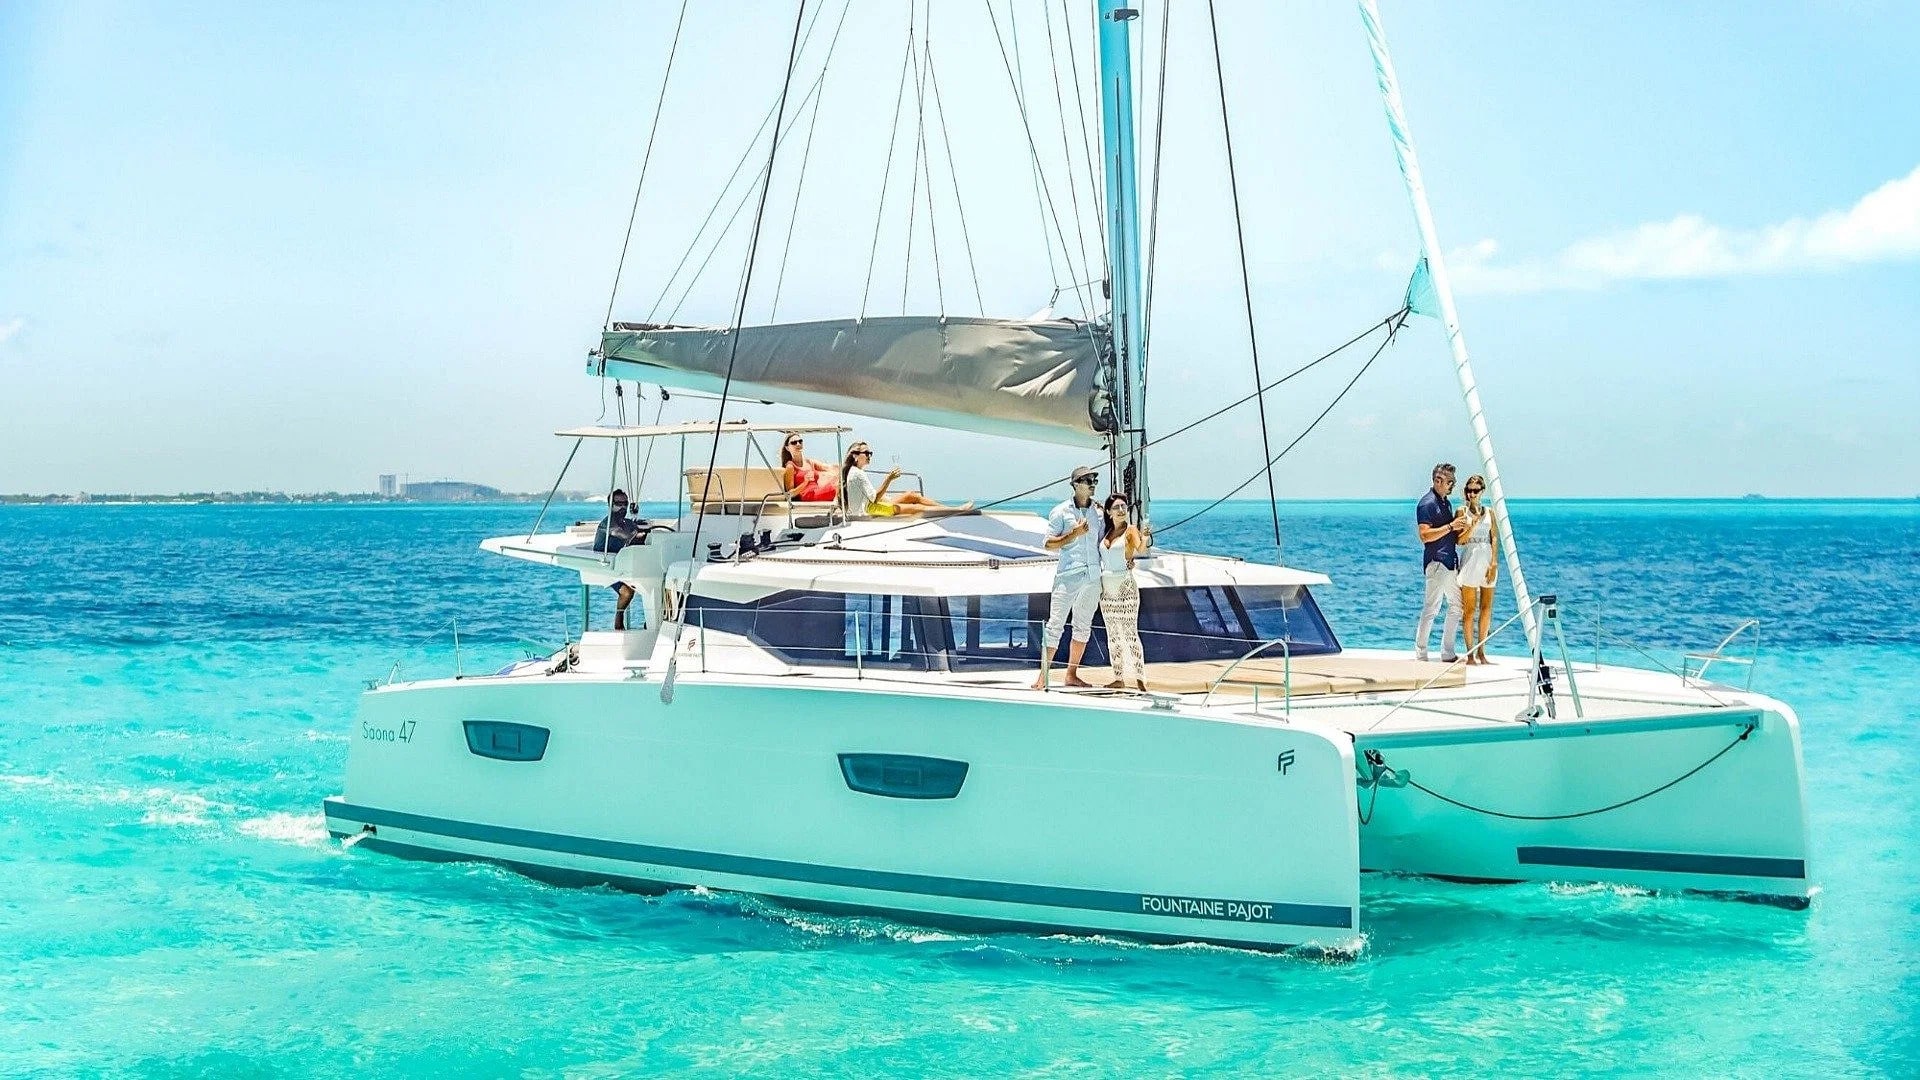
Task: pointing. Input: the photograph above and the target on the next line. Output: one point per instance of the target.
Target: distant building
(449, 491)
(388, 486)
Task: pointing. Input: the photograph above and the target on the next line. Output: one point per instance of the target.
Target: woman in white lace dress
(1479, 539)
(1120, 594)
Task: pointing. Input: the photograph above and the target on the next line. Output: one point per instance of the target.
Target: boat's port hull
(1706, 801)
(1070, 816)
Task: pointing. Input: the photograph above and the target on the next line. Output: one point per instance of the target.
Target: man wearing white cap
(1074, 529)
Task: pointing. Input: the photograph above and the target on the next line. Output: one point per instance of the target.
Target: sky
(293, 246)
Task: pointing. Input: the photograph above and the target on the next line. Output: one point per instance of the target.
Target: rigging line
(1675, 782)
(886, 173)
(1066, 150)
(720, 199)
(925, 157)
(1246, 281)
(740, 307)
(793, 214)
(1020, 97)
(646, 465)
(1389, 323)
(913, 190)
(953, 171)
(1080, 104)
(740, 205)
(646, 159)
(620, 419)
(551, 492)
(1033, 149)
(1268, 467)
(806, 155)
(1153, 212)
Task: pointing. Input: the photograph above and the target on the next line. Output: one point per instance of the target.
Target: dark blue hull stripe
(1054, 896)
(1667, 862)
(971, 924)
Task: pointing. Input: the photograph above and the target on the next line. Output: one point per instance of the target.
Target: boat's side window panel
(991, 632)
(1213, 622)
(803, 627)
(1288, 612)
(919, 633)
(1214, 613)
(504, 740)
(975, 633)
(903, 776)
(891, 631)
(829, 629)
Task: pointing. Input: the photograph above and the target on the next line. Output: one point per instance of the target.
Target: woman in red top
(806, 480)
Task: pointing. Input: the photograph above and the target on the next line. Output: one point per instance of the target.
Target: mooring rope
(1689, 774)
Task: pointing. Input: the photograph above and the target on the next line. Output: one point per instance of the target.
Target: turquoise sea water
(176, 685)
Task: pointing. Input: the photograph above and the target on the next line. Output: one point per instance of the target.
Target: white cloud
(11, 327)
(1883, 226)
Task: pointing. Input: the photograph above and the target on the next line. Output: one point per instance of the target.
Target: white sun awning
(1023, 379)
(696, 427)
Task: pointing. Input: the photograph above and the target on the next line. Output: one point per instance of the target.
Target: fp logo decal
(1286, 761)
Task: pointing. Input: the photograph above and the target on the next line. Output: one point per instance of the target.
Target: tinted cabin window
(918, 633)
(892, 631)
(987, 633)
(832, 629)
(990, 632)
(802, 627)
(1289, 613)
(1217, 623)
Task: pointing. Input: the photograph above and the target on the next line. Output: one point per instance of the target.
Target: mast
(1443, 291)
(1123, 248)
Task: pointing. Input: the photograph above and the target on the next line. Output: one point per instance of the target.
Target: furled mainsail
(1028, 380)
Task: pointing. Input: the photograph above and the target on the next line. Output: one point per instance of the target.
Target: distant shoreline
(284, 498)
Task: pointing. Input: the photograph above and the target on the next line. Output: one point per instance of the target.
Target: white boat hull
(1073, 815)
(1706, 801)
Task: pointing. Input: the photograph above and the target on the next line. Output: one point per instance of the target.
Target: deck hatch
(506, 741)
(903, 776)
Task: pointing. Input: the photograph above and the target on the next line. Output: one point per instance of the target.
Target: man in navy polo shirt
(1438, 525)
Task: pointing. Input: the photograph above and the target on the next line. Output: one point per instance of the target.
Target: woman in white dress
(1479, 538)
(1120, 594)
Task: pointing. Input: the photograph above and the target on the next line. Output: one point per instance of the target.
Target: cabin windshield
(987, 633)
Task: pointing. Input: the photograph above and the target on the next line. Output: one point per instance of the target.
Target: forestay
(1028, 380)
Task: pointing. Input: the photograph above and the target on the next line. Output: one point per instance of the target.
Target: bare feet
(1116, 685)
(1075, 680)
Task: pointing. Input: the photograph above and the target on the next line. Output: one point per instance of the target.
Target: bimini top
(983, 554)
(696, 427)
(1028, 380)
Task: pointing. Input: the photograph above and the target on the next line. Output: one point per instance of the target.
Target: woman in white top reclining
(864, 500)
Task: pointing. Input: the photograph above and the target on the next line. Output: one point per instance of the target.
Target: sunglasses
(1475, 490)
(796, 442)
(863, 453)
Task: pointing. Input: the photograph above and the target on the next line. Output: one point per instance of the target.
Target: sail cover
(1028, 380)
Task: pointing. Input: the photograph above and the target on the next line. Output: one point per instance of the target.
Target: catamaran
(833, 710)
